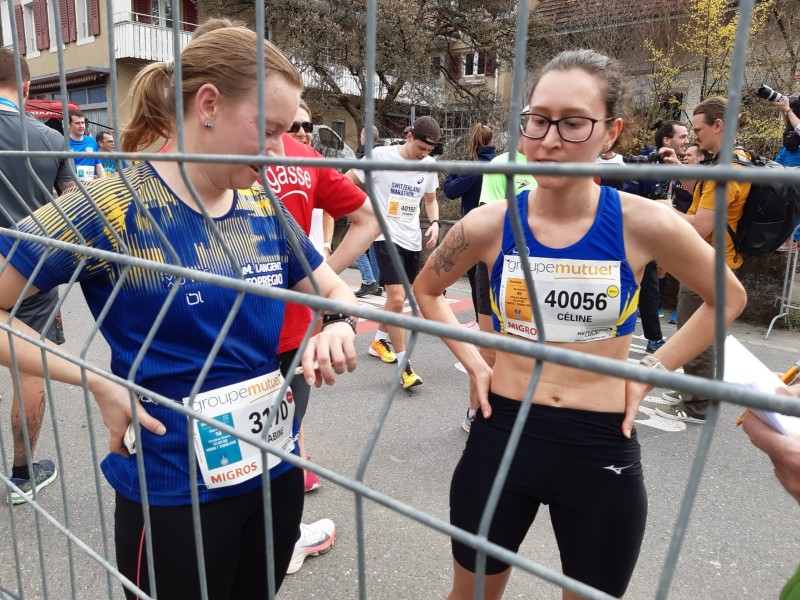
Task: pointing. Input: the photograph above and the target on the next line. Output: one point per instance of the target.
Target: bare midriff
(565, 387)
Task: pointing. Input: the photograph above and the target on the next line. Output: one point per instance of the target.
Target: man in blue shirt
(105, 142)
(87, 169)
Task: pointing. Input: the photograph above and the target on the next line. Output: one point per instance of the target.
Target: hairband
(169, 66)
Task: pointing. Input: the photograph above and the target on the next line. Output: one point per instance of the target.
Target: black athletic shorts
(233, 543)
(575, 461)
(36, 310)
(408, 258)
(300, 388)
(482, 289)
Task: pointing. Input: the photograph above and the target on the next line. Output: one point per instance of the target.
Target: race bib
(403, 209)
(84, 173)
(579, 299)
(248, 407)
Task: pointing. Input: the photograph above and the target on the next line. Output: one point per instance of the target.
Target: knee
(395, 299)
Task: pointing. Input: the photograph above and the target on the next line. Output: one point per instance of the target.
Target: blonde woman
(219, 87)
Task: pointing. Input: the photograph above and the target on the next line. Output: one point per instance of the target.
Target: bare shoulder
(475, 237)
(486, 221)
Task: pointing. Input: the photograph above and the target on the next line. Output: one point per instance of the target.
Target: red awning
(50, 83)
(46, 109)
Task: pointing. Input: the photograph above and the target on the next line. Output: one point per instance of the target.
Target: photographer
(789, 156)
(671, 139)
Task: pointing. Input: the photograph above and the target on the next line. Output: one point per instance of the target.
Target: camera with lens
(652, 157)
(767, 93)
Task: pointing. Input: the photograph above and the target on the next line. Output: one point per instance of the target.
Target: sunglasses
(307, 126)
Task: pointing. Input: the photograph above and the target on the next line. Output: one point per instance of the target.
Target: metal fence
(58, 522)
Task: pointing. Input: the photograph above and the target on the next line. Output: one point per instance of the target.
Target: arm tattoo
(444, 257)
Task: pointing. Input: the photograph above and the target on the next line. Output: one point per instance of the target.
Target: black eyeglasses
(307, 126)
(571, 129)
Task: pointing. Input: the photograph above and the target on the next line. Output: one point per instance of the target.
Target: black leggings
(233, 543)
(575, 461)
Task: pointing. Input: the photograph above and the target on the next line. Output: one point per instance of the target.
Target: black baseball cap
(425, 129)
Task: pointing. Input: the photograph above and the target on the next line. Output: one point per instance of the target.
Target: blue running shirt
(193, 320)
(586, 291)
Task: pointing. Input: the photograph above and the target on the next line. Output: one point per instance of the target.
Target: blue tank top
(586, 291)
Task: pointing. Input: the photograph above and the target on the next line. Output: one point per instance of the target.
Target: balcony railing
(136, 38)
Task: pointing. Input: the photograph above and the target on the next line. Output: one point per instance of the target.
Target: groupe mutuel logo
(250, 393)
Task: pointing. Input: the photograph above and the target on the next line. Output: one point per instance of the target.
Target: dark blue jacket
(466, 185)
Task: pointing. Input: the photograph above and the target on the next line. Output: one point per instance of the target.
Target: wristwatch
(651, 361)
(328, 319)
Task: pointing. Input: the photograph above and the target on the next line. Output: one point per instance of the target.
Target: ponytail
(153, 106)
(222, 56)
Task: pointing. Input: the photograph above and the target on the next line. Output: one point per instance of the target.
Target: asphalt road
(742, 540)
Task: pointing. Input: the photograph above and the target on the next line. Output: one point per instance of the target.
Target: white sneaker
(315, 539)
(467, 424)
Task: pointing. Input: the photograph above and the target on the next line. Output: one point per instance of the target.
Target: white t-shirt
(614, 160)
(399, 196)
(316, 235)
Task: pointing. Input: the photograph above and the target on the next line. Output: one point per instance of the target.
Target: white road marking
(656, 400)
(659, 422)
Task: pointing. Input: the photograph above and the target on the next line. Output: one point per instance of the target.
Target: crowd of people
(612, 244)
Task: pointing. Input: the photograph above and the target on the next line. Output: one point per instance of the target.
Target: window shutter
(71, 22)
(23, 49)
(490, 64)
(189, 15)
(37, 22)
(454, 65)
(142, 10)
(62, 8)
(94, 16)
(42, 24)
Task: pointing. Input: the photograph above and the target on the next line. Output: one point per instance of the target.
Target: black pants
(301, 391)
(473, 288)
(575, 461)
(233, 543)
(649, 300)
(702, 365)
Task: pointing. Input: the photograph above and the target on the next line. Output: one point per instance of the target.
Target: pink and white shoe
(312, 482)
(315, 539)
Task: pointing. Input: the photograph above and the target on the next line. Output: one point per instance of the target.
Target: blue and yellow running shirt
(586, 291)
(194, 318)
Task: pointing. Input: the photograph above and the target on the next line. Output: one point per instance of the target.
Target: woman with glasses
(587, 248)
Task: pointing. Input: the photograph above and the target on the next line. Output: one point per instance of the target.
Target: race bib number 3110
(251, 407)
(579, 299)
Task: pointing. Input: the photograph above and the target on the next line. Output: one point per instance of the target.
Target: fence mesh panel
(90, 542)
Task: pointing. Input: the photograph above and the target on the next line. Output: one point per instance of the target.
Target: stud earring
(209, 125)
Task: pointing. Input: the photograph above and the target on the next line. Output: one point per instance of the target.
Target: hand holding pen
(787, 378)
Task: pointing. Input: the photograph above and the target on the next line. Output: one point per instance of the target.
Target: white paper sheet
(742, 367)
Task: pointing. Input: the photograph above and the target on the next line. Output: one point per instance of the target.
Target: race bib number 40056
(579, 299)
(251, 407)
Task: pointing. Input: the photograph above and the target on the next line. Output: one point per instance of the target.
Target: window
(51, 24)
(5, 25)
(474, 64)
(78, 96)
(30, 28)
(338, 127)
(96, 95)
(671, 105)
(436, 67)
(82, 18)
